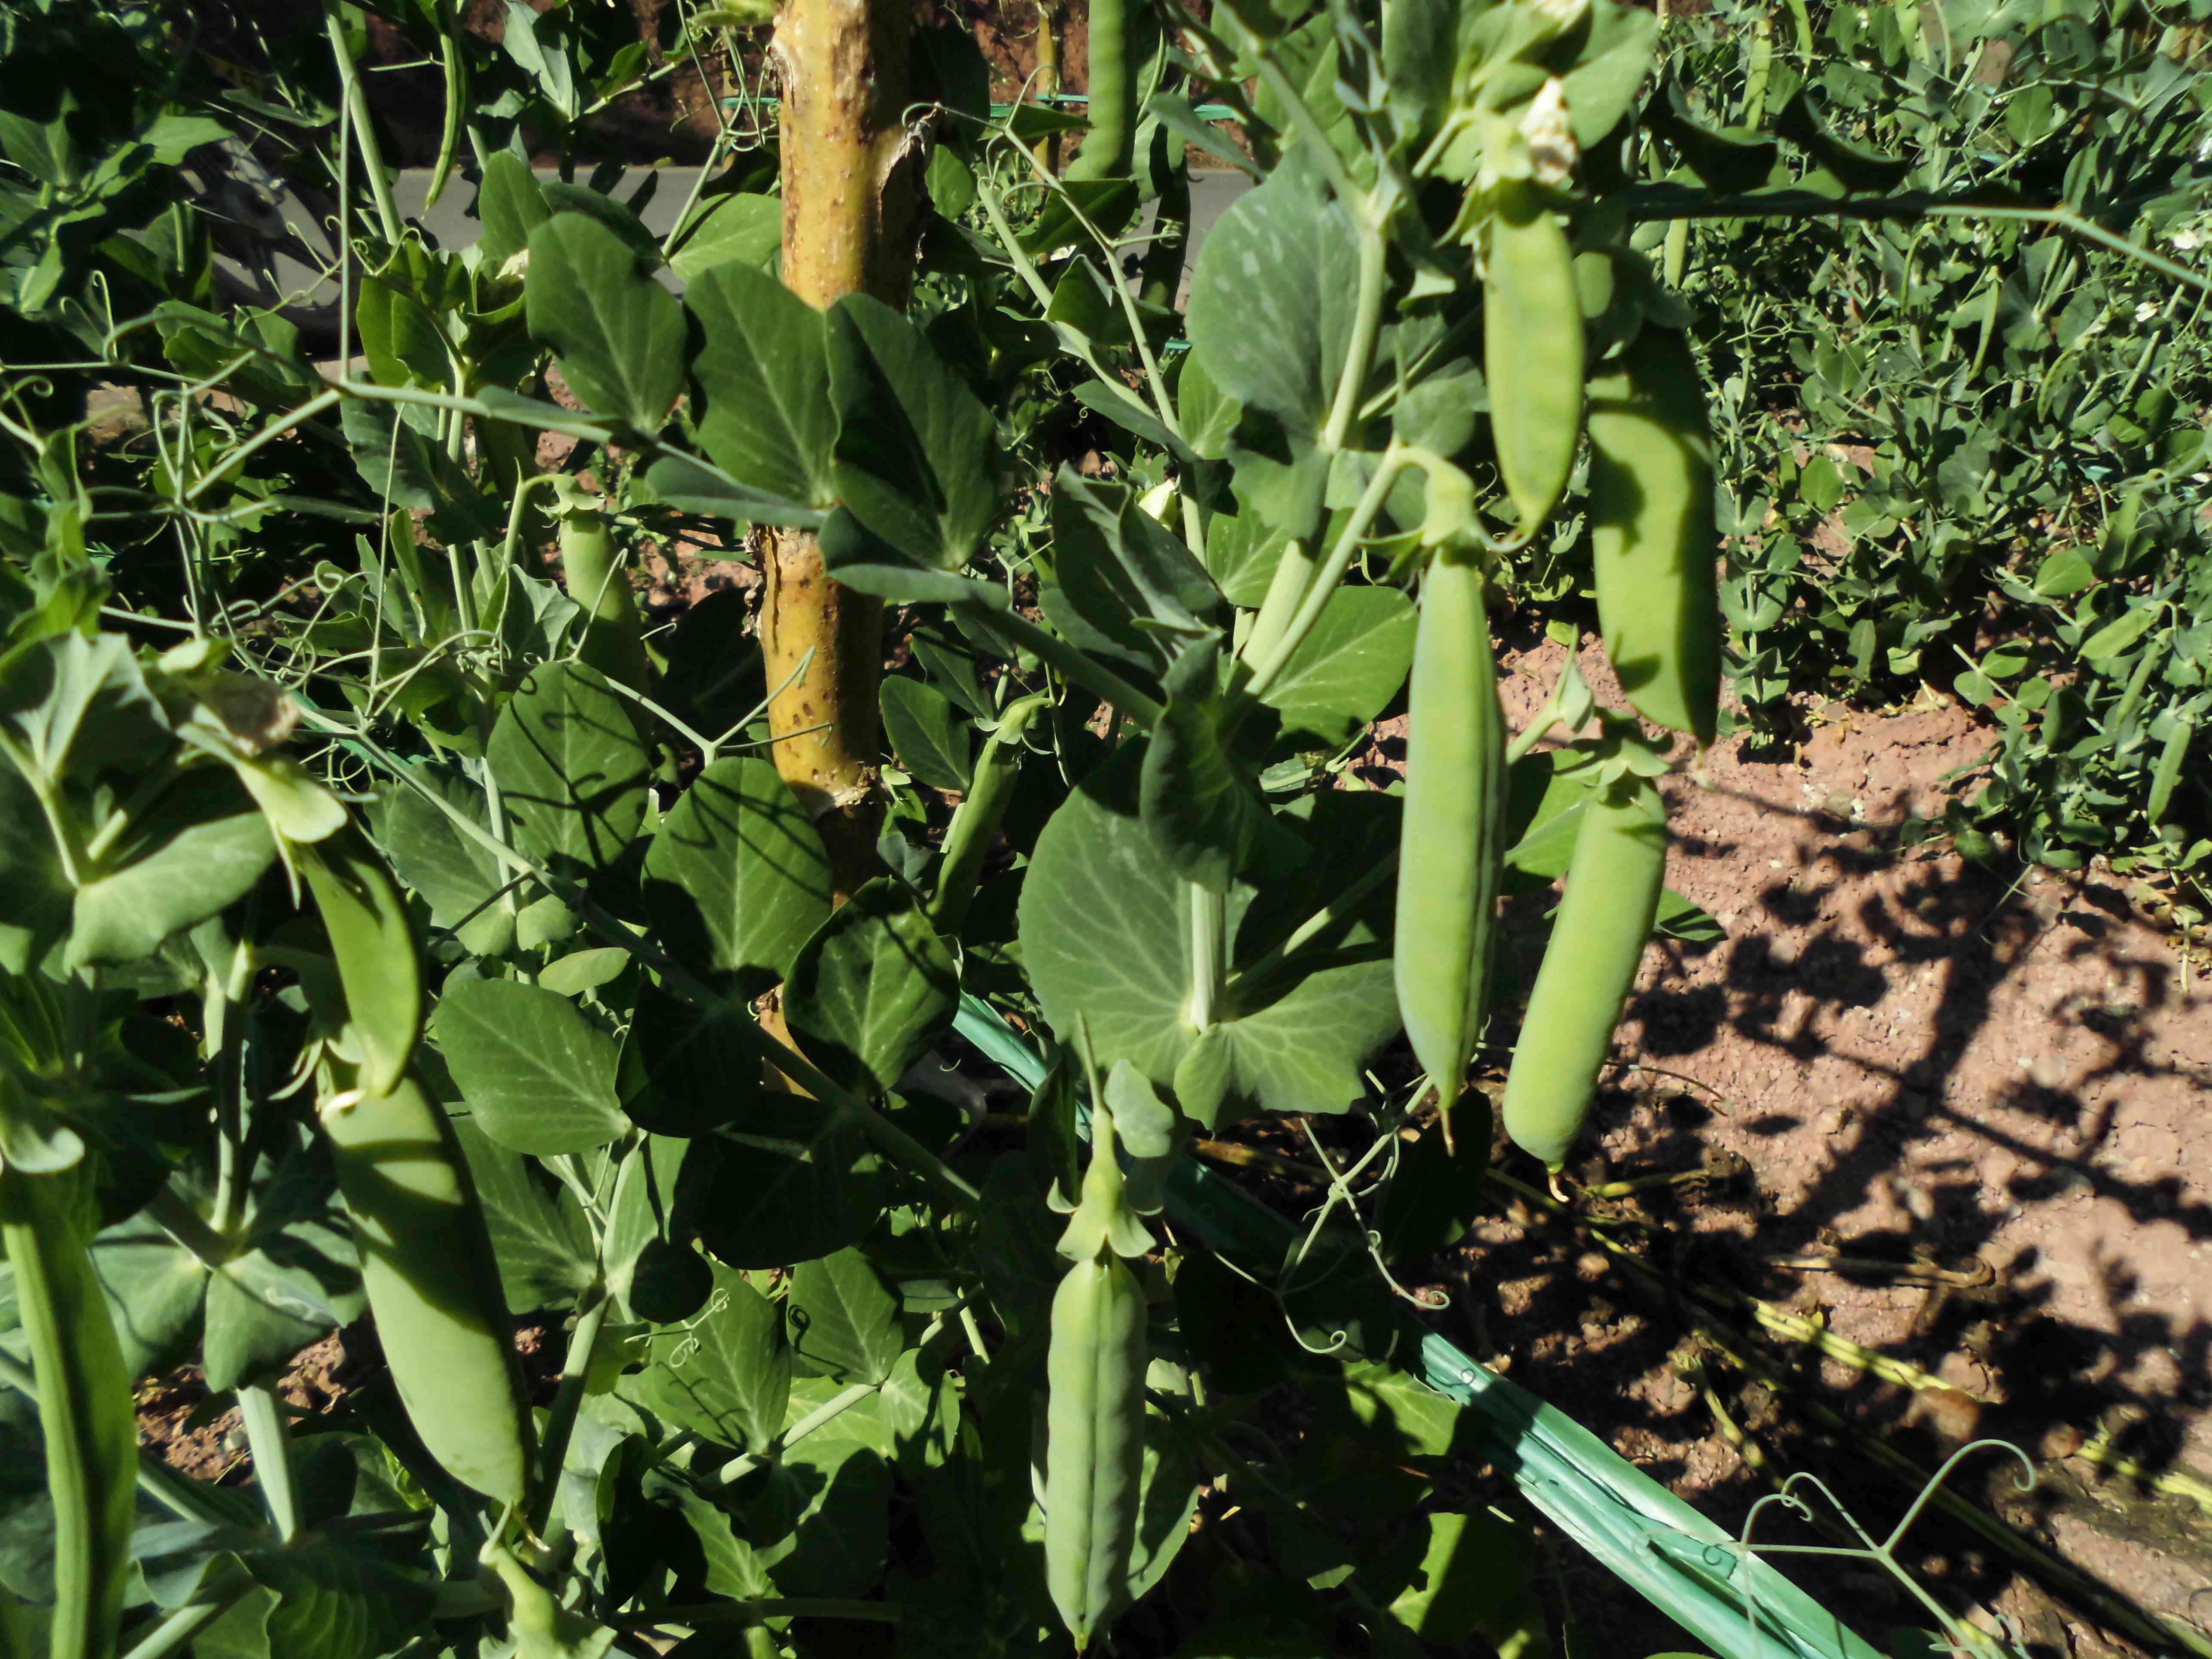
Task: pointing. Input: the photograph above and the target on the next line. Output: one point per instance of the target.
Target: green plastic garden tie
(1661, 1546)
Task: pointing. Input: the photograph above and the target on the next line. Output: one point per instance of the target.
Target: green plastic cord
(1662, 1547)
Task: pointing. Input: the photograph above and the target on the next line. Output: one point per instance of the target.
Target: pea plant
(813, 1020)
(1959, 452)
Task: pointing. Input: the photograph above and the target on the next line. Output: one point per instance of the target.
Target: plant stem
(364, 130)
(561, 1421)
(1322, 588)
(1208, 926)
(1360, 356)
(175, 1633)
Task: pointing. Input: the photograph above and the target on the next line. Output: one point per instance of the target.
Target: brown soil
(1914, 1060)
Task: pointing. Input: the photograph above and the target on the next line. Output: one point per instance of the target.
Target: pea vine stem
(561, 1421)
(1323, 585)
(364, 129)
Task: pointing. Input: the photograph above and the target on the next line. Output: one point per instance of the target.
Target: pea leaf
(1200, 808)
(845, 1318)
(926, 732)
(510, 205)
(539, 1236)
(791, 1179)
(1103, 921)
(619, 334)
(538, 1077)
(913, 445)
(727, 1375)
(764, 412)
(1348, 668)
(571, 768)
(873, 988)
(745, 230)
(1272, 298)
(737, 881)
(201, 845)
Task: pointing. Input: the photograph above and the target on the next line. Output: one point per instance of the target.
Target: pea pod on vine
(1532, 333)
(1597, 940)
(1095, 1407)
(373, 939)
(433, 1283)
(1452, 835)
(1654, 540)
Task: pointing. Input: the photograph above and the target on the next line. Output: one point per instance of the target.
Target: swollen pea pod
(1451, 839)
(980, 812)
(1108, 147)
(613, 642)
(433, 1283)
(1597, 940)
(85, 1412)
(1094, 1409)
(1653, 536)
(373, 939)
(1532, 345)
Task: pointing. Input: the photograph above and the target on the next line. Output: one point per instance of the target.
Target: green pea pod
(433, 1284)
(613, 641)
(84, 1410)
(1653, 537)
(373, 937)
(1532, 346)
(1095, 1441)
(1452, 833)
(1107, 148)
(1597, 940)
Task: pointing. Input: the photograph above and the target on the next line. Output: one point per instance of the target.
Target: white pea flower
(2146, 311)
(1553, 151)
(2188, 242)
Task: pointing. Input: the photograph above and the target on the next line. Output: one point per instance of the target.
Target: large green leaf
(725, 1376)
(1125, 585)
(455, 873)
(35, 895)
(70, 705)
(793, 1180)
(700, 1066)
(1242, 551)
(913, 445)
(619, 333)
(537, 1076)
(571, 769)
(736, 881)
(539, 1235)
(845, 1318)
(510, 205)
(1348, 668)
(745, 230)
(873, 988)
(200, 845)
(926, 732)
(1104, 932)
(764, 412)
(1272, 299)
